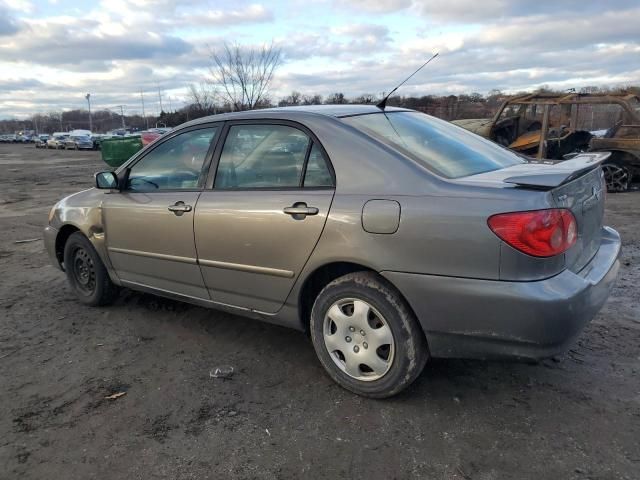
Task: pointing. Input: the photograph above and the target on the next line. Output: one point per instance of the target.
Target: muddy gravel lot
(279, 416)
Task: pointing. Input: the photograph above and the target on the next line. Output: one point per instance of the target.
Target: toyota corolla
(386, 234)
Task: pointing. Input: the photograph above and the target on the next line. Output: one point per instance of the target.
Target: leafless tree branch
(244, 74)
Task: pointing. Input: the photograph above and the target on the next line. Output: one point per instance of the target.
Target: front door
(259, 224)
(149, 224)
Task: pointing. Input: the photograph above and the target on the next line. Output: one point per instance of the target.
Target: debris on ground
(224, 371)
(28, 240)
(115, 396)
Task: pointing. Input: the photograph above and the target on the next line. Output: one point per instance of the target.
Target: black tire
(86, 273)
(617, 175)
(409, 349)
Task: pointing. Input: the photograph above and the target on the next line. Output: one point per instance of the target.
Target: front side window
(445, 149)
(262, 156)
(173, 165)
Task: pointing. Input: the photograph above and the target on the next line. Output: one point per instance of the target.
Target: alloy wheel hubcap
(83, 270)
(358, 339)
(616, 178)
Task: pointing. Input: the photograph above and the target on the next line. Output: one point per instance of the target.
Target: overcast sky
(52, 52)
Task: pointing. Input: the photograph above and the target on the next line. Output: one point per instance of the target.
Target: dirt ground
(279, 416)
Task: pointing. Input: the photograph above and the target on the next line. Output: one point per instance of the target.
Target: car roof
(281, 112)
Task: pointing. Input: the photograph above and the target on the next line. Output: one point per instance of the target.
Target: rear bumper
(470, 318)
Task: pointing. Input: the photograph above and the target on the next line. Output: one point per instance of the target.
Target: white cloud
(121, 47)
(377, 6)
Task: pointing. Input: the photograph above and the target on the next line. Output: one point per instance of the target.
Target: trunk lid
(584, 196)
(575, 184)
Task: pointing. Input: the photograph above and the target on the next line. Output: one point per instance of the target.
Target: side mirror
(106, 180)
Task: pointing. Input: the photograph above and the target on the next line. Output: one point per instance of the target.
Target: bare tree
(312, 99)
(337, 97)
(203, 97)
(244, 74)
(291, 100)
(365, 98)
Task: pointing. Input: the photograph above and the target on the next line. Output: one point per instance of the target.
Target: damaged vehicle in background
(389, 235)
(556, 127)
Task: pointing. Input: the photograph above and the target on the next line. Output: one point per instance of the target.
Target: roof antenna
(383, 103)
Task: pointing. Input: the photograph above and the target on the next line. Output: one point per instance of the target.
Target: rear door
(149, 224)
(258, 224)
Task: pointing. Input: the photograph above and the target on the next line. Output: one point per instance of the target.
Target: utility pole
(160, 100)
(146, 120)
(121, 113)
(170, 106)
(88, 97)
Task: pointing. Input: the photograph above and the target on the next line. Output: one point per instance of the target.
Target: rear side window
(446, 149)
(271, 156)
(317, 174)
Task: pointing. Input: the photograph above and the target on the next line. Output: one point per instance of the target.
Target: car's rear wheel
(366, 336)
(617, 176)
(86, 273)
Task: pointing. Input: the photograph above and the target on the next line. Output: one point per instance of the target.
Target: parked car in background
(390, 236)
(118, 132)
(57, 141)
(74, 142)
(80, 133)
(41, 141)
(152, 134)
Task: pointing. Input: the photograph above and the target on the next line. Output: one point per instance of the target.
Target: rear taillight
(541, 233)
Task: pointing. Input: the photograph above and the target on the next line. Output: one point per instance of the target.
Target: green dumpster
(117, 150)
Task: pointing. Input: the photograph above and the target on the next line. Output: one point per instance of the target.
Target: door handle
(300, 210)
(179, 208)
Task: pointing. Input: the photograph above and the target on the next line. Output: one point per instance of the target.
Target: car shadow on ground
(450, 380)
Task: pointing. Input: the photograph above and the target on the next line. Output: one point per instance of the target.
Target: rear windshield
(446, 149)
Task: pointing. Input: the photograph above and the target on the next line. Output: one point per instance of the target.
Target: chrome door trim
(247, 268)
(160, 256)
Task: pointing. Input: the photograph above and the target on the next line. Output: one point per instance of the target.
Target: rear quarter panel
(437, 235)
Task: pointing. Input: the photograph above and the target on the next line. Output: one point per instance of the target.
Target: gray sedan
(389, 236)
(77, 142)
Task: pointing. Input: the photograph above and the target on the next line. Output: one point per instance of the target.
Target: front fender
(83, 212)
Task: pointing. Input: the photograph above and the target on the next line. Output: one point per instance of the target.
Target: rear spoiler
(560, 172)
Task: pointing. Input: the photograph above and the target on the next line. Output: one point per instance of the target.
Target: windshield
(446, 149)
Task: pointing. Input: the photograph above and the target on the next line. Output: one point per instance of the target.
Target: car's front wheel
(366, 336)
(86, 273)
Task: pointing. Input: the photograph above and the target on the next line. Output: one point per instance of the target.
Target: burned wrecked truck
(555, 126)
